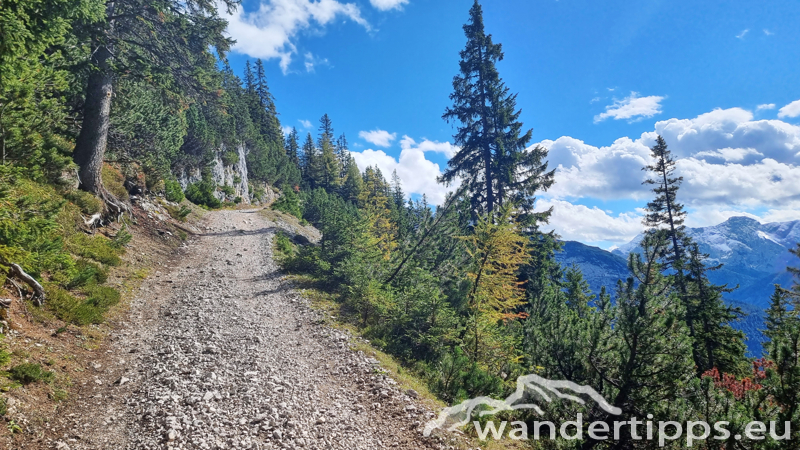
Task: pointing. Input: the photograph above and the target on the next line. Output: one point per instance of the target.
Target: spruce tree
(325, 129)
(166, 41)
(310, 163)
(353, 182)
(293, 147)
(493, 161)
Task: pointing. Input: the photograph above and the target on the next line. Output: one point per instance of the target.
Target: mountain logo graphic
(461, 414)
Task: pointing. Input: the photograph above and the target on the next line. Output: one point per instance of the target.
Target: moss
(88, 203)
(114, 181)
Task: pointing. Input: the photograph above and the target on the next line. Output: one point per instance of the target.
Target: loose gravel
(221, 352)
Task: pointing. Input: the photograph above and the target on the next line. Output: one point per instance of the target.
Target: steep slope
(600, 268)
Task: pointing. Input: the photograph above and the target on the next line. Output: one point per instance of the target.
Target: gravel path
(220, 353)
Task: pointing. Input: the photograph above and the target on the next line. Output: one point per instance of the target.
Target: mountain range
(754, 257)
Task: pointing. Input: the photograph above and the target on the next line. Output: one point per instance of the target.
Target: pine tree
(644, 357)
(343, 154)
(498, 249)
(271, 126)
(353, 182)
(293, 146)
(310, 163)
(783, 348)
(329, 166)
(717, 344)
(493, 160)
(249, 78)
(143, 39)
(325, 129)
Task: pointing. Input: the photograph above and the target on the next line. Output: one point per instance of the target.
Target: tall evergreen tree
(325, 130)
(249, 78)
(271, 126)
(293, 146)
(310, 162)
(166, 41)
(493, 160)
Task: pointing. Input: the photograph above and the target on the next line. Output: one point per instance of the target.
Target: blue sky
(596, 81)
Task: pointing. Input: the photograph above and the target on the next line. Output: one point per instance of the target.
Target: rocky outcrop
(234, 175)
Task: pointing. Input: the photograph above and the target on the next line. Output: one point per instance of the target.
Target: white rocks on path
(221, 353)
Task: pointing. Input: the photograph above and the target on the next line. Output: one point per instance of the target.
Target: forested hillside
(103, 104)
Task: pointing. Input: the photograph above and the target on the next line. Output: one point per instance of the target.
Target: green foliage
(122, 238)
(97, 248)
(82, 311)
(227, 190)
(230, 158)
(284, 244)
(179, 213)
(173, 191)
(5, 357)
(88, 203)
(30, 373)
(289, 203)
(202, 193)
(114, 181)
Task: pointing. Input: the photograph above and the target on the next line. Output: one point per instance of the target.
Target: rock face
(234, 175)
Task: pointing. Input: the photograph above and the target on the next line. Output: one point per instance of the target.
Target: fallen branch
(38, 291)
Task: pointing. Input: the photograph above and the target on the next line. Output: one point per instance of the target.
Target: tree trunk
(91, 144)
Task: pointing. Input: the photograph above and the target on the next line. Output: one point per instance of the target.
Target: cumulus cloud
(632, 108)
(582, 223)
(417, 173)
(385, 5)
(765, 106)
(305, 123)
(790, 110)
(378, 137)
(286, 130)
(269, 32)
(731, 165)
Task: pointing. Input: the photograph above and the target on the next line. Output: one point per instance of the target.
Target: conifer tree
(249, 78)
(166, 41)
(310, 162)
(271, 126)
(644, 357)
(329, 176)
(325, 129)
(493, 161)
(353, 182)
(293, 146)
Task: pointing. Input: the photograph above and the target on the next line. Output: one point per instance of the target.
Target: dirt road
(221, 353)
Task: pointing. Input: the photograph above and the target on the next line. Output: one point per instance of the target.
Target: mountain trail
(221, 353)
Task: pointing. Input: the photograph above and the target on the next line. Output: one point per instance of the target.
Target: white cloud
(379, 137)
(286, 130)
(582, 223)
(731, 165)
(417, 173)
(765, 106)
(311, 62)
(632, 107)
(305, 123)
(790, 110)
(743, 33)
(385, 5)
(768, 33)
(270, 31)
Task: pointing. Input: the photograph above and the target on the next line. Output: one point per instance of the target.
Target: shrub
(228, 190)
(72, 309)
(30, 373)
(202, 193)
(230, 158)
(114, 181)
(237, 200)
(88, 203)
(173, 191)
(288, 203)
(122, 238)
(179, 213)
(98, 248)
(5, 357)
(283, 244)
(86, 273)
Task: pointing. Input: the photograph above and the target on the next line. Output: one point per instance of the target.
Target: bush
(88, 203)
(72, 309)
(173, 191)
(98, 248)
(114, 182)
(284, 244)
(179, 213)
(122, 238)
(288, 203)
(30, 373)
(230, 158)
(228, 190)
(202, 193)
(87, 273)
